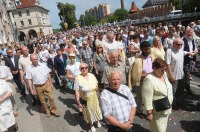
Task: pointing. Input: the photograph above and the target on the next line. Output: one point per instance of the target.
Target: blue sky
(82, 5)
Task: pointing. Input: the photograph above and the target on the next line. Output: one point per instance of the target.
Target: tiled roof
(134, 8)
(26, 3)
(154, 2)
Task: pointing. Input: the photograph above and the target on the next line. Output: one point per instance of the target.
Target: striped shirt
(117, 106)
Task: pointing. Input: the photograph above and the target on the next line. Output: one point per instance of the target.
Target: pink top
(147, 65)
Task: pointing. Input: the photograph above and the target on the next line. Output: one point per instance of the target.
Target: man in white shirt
(38, 74)
(190, 51)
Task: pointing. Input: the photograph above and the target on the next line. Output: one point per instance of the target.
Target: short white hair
(115, 71)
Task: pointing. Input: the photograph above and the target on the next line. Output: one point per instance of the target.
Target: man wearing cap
(38, 75)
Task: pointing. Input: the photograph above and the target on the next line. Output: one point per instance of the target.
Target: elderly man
(118, 104)
(114, 64)
(138, 71)
(190, 51)
(12, 62)
(24, 63)
(174, 58)
(38, 74)
(86, 55)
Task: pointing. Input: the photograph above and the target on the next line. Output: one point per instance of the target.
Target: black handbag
(83, 102)
(162, 104)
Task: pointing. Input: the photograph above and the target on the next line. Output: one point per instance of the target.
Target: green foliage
(121, 14)
(177, 4)
(55, 31)
(104, 20)
(112, 18)
(190, 5)
(87, 20)
(67, 14)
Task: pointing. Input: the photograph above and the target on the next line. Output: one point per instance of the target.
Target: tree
(87, 20)
(121, 14)
(189, 6)
(67, 15)
(177, 4)
(112, 18)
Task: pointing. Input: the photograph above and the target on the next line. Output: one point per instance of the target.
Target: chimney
(122, 4)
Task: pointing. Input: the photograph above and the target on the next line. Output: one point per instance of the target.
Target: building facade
(152, 10)
(31, 20)
(7, 29)
(99, 11)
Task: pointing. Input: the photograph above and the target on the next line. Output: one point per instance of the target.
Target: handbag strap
(117, 93)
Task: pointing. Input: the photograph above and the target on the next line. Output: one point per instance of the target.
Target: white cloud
(82, 5)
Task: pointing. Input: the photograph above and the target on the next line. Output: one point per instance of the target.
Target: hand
(14, 72)
(191, 53)
(22, 81)
(52, 86)
(149, 117)
(127, 125)
(172, 79)
(33, 92)
(80, 105)
(96, 72)
(1, 100)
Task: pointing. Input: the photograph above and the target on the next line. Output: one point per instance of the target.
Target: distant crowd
(103, 67)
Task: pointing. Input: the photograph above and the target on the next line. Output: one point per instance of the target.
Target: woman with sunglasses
(156, 86)
(86, 88)
(99, 62)
(157, 50)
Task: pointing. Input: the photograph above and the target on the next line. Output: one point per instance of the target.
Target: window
(22, 23)
(27, 13)
(15, 24)
(20, 13)
(17, 2)
(29, 22)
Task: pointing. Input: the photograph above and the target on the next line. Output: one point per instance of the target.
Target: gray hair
(114, 71)
(111, 52)
(110, 33)
(33, 55)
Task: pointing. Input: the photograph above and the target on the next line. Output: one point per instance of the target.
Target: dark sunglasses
(179, 44)
(99, 47)
(84, 68)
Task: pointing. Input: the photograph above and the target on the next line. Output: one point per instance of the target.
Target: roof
(154, 2)
(134, 8)
(28, 3)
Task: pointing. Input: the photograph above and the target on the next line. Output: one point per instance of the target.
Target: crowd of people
(104, 66)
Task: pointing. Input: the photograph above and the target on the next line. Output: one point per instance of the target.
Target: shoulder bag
(163, 103)
(115, 92)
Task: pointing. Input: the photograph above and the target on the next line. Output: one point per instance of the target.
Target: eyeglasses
(163, 69)
(179, 44)
(84, 68)
(99, 47)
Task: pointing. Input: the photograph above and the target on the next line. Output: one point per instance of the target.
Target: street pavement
(32, 118)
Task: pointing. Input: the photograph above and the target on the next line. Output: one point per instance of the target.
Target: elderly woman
(157, 50)
(99, 62)
(86, 88)
(134, 48)
(7, 118)
(156, 87)
(72, 70)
